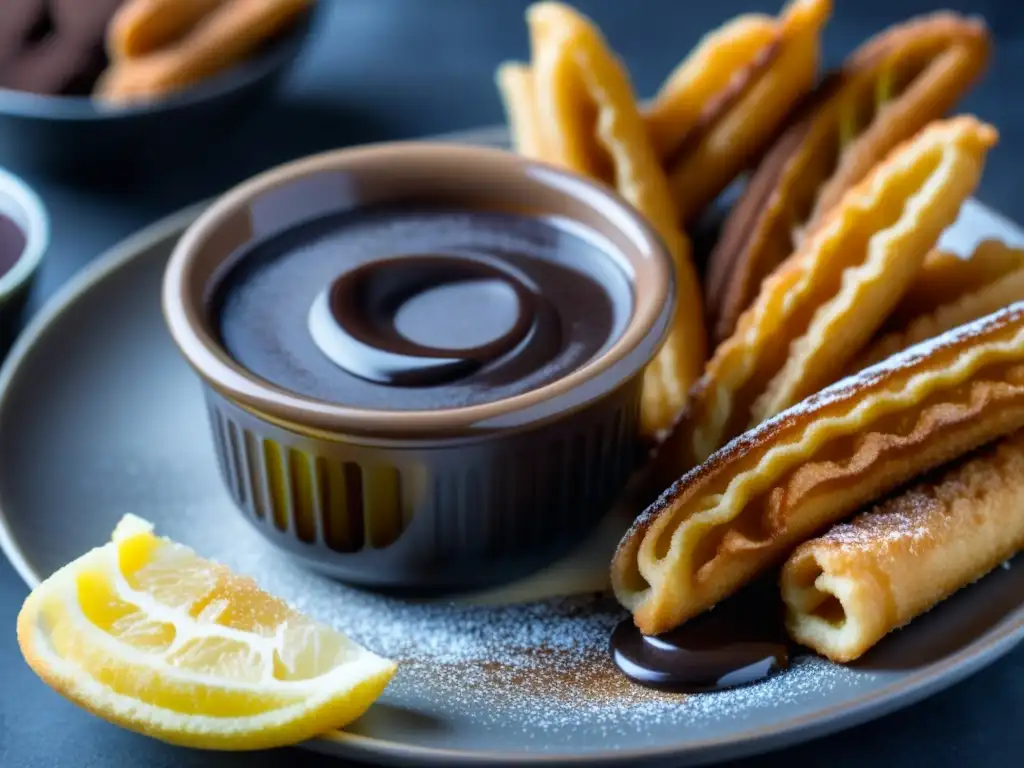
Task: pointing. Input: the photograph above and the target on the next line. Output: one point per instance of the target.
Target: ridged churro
(981, 301)
(773, 488)
(826, 301)
(946, 277)
(852, 586)
(889, 89)
(515, 83)
(587, 121)
(722, 106)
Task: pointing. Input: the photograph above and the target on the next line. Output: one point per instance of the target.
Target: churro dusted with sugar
(754, 501)
(847, 589)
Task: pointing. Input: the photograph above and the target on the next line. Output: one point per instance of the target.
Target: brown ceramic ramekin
(449, 498)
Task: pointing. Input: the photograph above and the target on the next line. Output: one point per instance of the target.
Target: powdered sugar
(909, 517)
(541, 667)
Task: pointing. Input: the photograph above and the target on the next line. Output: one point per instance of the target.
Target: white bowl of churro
(81, 84)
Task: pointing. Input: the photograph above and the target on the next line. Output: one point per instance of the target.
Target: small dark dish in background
(24, 238)
(506, 449)
(77, 136)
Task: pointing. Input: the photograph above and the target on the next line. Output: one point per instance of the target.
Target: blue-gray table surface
(391, 69)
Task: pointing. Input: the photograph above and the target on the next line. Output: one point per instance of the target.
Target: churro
(722, 106)
(231, 32)
(143, 26)
(515, 83)
(827, 300)
(984, 300)
(790, 478)
(852, 586)
(587, 121)
(946, 277)
(889, 89)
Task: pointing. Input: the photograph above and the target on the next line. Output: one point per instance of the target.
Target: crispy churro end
(759, 497)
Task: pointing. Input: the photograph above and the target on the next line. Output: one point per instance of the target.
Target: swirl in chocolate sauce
(738, 642)
(418, 307)
(428, 320)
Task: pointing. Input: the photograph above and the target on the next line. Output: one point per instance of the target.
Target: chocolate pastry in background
(574, 106)
(887, 90)
(22, 23)
(53, 47)
(978, 298)
(849, 588)
(778, 485)
(722, 106)
(816, 312)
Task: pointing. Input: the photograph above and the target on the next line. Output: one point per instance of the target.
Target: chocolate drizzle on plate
(738, 642)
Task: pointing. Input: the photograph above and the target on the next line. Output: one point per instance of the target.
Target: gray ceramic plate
(99, 416)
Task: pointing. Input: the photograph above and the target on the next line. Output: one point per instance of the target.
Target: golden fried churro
(887, 91)
(719, 109)
(143, 26)
(827, 300)
(587, 121)
(849, 588)
(221, 39)
(946, 277)
(723, 61)
(515, 83)
(894, 256)
(783, 482)
(988, 298)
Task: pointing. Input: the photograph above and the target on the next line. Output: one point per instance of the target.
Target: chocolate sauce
(740, 641)
(416, 307)
(12, 244)
(428, 320)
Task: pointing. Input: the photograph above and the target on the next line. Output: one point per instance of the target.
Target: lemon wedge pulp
(146, 634)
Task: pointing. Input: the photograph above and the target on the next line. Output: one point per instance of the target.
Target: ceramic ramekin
(20, 204)
(451, 498)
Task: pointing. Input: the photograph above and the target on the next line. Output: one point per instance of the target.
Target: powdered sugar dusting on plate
(541, 666)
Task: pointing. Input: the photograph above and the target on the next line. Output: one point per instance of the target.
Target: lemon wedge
(146, 634)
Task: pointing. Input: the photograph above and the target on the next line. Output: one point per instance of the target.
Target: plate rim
(893, 696)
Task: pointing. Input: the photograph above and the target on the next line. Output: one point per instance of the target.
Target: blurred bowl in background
(20, 209)
(79, 137)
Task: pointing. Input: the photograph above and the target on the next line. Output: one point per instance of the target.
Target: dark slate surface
(388, 69)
